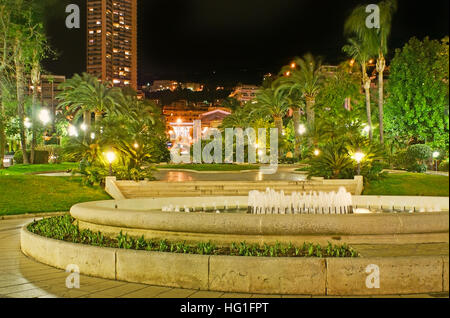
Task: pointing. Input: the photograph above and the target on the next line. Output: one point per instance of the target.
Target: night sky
(231, 41)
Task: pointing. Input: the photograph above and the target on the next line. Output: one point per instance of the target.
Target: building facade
(112, 41)
(245, 93)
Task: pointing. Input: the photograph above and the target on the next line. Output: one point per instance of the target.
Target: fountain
(272, 202)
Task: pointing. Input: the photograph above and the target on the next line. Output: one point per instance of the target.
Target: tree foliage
(418, 99)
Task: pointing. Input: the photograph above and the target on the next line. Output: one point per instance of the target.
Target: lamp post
(110, 156)
(301, 129)
(358, 157)
(44, 116)
(436, 155)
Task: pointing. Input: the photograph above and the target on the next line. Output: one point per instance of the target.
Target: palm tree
(271, 102)
(361, 55)
(231, 103)
(377, 40)
(68, 97)
(85, 94)
(308, 79)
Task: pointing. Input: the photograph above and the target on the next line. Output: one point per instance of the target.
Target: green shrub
(40, 157)
(333, 162)
(135, 174)
(417, 167)
(54, 153)
(419, 153)
(443, 166)
(64, 228)
(91, 175)
(18, 157)
(402, 160)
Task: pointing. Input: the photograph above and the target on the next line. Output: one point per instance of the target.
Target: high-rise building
(112, 41)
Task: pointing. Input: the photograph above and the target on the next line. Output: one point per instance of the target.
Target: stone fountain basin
(139, 217)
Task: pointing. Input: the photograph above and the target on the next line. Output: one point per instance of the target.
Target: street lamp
(301, 129)
(72, 130)
(110, 156)
(436, 155)
(44, 116)
(27, 123)
(366, 129)
(358, 157)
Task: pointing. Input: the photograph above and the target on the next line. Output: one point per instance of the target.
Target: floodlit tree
(418, 93)
(376, 40)
(360, 54)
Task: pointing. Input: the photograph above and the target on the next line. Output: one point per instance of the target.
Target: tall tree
(273, 103)
(303, 80)
(37, 51)
(376, 39)
(85, 94)
(5, 72)
(418, 93)
(360, 54)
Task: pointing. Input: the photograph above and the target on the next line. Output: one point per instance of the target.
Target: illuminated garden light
(358, 157)
(366, 129)
(301, 129)
(136, 145)
(316, 152)
(110, 156)
(83, 127)
(72, 130)
(44, 116)
(92, 136)
(436, 154)
(27, 123)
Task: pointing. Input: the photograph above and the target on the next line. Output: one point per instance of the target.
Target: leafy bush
(135, 174)
(402, 160)
(333, 162)
(443, 166)
(40, 157)
(417, 167)
(91, 175)
(54, 151)
(419, 153)
(18, 157)
(63, 228)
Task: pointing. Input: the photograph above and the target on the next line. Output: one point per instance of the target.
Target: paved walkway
(22, 277)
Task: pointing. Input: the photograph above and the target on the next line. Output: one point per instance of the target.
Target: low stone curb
(31, 215)
(260, 275)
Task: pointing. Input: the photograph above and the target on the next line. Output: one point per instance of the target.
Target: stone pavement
(22, 277)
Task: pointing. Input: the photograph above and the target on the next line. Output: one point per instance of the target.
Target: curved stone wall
(133, 217)
(296, 276)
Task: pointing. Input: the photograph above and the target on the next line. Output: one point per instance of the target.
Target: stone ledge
(329, 276)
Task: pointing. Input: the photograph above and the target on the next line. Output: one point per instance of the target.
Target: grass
(64, 228)
(414, 184)
(31, 169)
(210, 167)
(21, 194)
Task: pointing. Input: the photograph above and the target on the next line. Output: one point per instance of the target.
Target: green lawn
(210, 167)
(30, 169)
(410, 184)
(21, 194)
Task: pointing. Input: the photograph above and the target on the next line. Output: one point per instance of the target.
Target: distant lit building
(166, 85)
(47, 90)
(244, 93)
(180, 117)
(112, 41)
